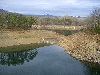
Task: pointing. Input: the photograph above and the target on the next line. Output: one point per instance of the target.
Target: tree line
(58, 20)
(15, 20)
(12, 20)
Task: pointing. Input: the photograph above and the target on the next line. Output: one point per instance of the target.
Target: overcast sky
(52, 7)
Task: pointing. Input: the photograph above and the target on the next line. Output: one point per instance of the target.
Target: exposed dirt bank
(10, 38)
(57, 27)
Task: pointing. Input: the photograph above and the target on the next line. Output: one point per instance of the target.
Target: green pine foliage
(16, 21)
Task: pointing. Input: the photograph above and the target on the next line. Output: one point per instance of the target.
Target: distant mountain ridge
(3, 11)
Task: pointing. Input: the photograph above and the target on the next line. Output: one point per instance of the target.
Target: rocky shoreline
(82, 46)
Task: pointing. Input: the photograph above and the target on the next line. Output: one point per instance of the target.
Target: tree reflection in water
(92, 68)
(17, 58)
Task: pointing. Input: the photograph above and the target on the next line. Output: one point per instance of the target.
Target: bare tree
(94, 20)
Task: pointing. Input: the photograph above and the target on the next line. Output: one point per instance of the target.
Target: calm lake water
(47, 60)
